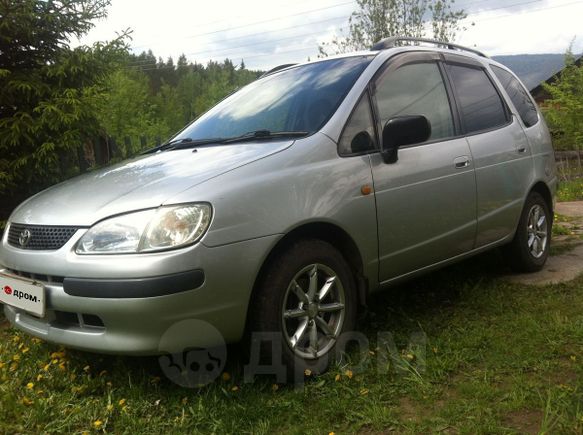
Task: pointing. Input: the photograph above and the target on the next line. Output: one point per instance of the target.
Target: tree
(126, 109)
(48, 90)
(564, 109)
(378, 19)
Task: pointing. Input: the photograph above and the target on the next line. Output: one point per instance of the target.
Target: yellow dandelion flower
(97, 424)
(39, 377)
(349, 374)
(29, 386)
(226, 376)
(337, 378)
(26, 401)
(62, 366)
(331, 433)
(25, 350)
(235, 388)
(46, 367)
(16, 339)
(55, 361)
(308, 372)
(122, 402)
(109, 407)
(364, 392)
(16, 357)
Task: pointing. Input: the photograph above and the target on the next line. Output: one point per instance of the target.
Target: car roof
(390, 46)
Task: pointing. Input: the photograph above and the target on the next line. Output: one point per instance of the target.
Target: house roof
(534, 69)
(539, 91)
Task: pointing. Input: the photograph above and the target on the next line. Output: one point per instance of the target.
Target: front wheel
(306, 299)
(529, 250)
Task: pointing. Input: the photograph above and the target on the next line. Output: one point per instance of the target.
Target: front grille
(48, 279)
(39, 237)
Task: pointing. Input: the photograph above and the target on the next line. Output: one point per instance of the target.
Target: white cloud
(267, 33)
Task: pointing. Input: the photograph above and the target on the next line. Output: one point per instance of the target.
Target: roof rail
(277, 68)
(393, 40)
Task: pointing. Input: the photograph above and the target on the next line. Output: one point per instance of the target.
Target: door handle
(461, 162)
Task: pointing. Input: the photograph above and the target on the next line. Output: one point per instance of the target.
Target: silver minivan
(286, 205)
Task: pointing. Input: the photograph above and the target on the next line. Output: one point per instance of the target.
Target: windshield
(300, 99)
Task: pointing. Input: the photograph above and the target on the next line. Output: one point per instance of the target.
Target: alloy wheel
(313, 311)
(537, 230)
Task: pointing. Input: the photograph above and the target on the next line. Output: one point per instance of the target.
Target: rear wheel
(307, 298)
(529, 250)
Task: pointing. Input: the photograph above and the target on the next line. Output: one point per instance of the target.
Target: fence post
(83, 165)
(113, 148)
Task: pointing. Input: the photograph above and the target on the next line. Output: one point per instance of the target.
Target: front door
(426, 201)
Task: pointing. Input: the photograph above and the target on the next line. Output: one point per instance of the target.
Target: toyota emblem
(24, 238)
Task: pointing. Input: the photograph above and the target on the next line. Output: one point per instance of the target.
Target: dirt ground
(565, 266)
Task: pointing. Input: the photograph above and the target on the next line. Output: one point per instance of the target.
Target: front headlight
(147, 231)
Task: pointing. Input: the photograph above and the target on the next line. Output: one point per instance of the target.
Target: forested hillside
(150, 98)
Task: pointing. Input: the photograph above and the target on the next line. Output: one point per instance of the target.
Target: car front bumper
(125, 304)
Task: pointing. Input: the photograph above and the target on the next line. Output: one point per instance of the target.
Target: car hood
(143, 182)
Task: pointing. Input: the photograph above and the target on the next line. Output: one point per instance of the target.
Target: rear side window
(480, 104)
(519, 96)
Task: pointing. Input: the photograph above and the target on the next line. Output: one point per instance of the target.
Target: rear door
(426, 201)
(499, 149)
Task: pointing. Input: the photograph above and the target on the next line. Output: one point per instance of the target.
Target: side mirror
(403, 130)
(361, 142)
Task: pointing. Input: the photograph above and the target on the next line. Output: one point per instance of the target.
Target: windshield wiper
(264, 134)
(182, 143)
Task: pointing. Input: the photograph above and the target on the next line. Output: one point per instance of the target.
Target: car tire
(305, 320)
(529, 250)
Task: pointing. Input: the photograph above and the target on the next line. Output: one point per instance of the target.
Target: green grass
(570, 190)
(500, 358)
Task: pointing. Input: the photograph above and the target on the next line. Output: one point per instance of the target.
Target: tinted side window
(352, 140)
(519, 96)
(480, 105)
(416, 89)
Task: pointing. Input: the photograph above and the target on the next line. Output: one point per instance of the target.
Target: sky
(268, 33)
